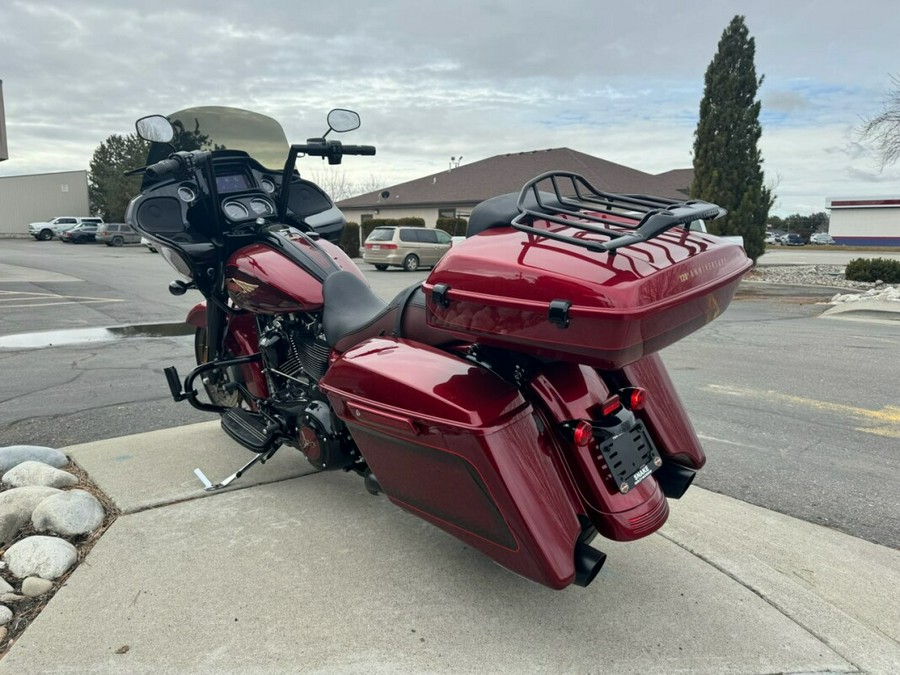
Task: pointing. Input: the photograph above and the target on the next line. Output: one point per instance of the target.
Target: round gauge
(261, 207)
(235, 210)
(267, 185)
(186, 194)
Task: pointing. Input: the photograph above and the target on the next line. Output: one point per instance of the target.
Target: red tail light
(634, 397)
(583, 433)
(388, 247)
(611, 404)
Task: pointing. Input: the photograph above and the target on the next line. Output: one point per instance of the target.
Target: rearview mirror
(341, 120)
(155, 128)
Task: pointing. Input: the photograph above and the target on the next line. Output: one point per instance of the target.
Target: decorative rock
(35, 586)
(45, 557)
(16, 507)
(5, 587)
(5, 615)
(38, 473)
(3, 634)
(11, 597)
(68, 513)
(12, 455)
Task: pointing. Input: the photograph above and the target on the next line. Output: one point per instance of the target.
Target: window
(381, 234)
(409, 235)
(442, 237)
(446, 213)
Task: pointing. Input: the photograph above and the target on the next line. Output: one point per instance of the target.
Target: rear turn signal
(583, 433)
(633, 398)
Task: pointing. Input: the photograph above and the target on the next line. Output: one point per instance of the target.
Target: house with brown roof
(455, 192)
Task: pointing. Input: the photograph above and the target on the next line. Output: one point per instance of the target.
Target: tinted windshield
(218, 128)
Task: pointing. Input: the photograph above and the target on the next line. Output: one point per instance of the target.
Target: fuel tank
(284, 273)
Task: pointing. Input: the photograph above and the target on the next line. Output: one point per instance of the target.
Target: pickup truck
(44, 231)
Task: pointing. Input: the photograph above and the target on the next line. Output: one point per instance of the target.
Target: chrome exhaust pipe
(588, 562)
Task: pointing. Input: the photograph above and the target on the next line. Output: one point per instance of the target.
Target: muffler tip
(588, 562)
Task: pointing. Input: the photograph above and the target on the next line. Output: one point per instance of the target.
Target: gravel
(806, 275)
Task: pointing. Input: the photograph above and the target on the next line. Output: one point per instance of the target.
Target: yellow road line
(887, 419)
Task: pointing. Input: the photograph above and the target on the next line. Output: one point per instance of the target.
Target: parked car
(116, 234)
(771, 238)
(44, 231)
(80, 234)
(149, 244)
(821, 238)
(406, 247)
(792, 240)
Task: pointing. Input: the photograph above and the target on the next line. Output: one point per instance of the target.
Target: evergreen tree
(108, 187)
(727, 161)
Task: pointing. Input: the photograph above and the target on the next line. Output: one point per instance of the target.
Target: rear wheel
(411, 263)
(117, 241)
(380, 267)
(214, 383)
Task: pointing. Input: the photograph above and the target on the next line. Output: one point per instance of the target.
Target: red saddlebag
(458, 446)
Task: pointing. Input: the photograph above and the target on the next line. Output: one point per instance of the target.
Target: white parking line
(48, 299)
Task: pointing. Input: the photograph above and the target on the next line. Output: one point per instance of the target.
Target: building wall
(39, 197)
(865, 222)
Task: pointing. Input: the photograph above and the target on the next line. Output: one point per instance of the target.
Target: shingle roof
(475, 182)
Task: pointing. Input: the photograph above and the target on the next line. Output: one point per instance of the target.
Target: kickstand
(262, 458)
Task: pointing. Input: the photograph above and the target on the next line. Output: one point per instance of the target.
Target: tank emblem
(240, 289)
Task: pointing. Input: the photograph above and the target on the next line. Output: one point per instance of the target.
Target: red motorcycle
(514, 399)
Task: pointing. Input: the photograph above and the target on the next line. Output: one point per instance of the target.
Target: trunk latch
(559, 313)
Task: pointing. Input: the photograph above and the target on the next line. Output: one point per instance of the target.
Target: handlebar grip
(164, 168)
(359, 149)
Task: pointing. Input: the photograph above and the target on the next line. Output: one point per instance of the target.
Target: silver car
(406, 247)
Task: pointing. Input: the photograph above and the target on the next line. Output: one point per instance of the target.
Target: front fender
(197, 316)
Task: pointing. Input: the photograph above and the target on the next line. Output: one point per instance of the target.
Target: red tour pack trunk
(514, 289)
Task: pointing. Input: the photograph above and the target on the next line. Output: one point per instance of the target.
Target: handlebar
(359, 149)
(333, 150)
(176, 163)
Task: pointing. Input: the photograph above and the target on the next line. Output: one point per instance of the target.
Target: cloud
(434, 80)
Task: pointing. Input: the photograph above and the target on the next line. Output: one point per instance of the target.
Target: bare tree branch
(884, 128)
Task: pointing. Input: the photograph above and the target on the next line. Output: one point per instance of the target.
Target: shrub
(349, 243)
(873, 269)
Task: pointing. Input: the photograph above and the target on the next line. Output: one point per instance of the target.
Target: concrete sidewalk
(292, 572)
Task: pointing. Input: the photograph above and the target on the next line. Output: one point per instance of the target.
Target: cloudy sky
(471, 78)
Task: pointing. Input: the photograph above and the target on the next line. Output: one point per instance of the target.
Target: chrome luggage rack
(579, 205)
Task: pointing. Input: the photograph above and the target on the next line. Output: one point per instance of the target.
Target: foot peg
(208, 486)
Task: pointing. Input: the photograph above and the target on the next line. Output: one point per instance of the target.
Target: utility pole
(4, 151)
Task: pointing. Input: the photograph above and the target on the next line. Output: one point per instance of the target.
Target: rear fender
(567, 391)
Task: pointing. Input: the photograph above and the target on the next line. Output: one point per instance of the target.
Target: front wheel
(45, 235)
(411, 263)
(214, 383)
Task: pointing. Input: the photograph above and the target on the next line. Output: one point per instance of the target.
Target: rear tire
(411, 263)
(380, 267)
(117, 241)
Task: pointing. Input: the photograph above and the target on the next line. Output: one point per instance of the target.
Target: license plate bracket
(630, 456)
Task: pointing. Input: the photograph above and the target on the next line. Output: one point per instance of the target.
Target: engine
(295, 355)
